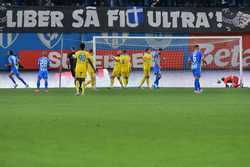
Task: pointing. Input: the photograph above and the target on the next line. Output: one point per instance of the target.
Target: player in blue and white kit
(156, 67)
(43, 64)
(196, 60)
(14, 65)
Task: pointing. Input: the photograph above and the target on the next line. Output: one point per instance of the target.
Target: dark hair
(160, 49)
(82, 46)
(124, 51)
(11, 52)
(147, 49)
(196, 46)
(90, 50)
(73, 48)
(223, 79)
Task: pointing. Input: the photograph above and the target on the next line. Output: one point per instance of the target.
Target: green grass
(125, 128)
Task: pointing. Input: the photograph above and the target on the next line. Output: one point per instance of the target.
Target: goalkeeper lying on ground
(230, 81)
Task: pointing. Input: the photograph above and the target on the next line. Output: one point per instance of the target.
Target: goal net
(223, 55)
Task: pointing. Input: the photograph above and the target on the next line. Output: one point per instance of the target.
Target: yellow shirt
(147, 59)
(81, 58)
(125, 60)
(117, 63)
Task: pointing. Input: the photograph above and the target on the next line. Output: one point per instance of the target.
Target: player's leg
(12, 79)
(20, 78)
(38, 83)
(120, 81)
(46, 84)
(147, 72)
(144, 77)
(82, 86)
(77, 81)
(197, 81)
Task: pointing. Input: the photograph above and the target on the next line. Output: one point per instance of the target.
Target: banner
(130, 19)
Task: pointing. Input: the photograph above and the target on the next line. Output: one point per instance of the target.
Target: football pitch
(125, 128)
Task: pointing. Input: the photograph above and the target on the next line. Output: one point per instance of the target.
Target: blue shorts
(156, 69)
(196, 73)
(43, 75)
(14, 71)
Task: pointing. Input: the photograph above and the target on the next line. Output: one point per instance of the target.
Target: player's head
(124, 51)
(148, 50)
(91, 51)
(223, 79)
(118, 53)
(10, 52)
(196, 47)
(82, 46)
(43, 54)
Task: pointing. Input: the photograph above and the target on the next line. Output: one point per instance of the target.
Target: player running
(82, 59)
(125, 67)
(116, 73)
(91, 71)
(196, 60)
(232, 79)
(43, 64)
(156, 67)
(13, 63)
(147, 63)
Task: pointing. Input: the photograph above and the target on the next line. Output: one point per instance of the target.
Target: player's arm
(91, 64)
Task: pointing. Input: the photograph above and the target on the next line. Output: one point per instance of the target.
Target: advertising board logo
(50, 40)
(7, 39)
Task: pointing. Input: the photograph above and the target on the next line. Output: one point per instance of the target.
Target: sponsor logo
(7, 39)
(50, 40)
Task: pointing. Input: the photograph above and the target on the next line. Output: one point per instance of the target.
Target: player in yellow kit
(125, 67)
(116, 70)
(91, 71)
(147, 63)
(82, 60)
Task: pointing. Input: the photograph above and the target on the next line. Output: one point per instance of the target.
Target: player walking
(196, 59)
(116, 73)
(147, 63)
(82, 59)
(125, 67)
(43, 64)
(156, 67)
(13, 63)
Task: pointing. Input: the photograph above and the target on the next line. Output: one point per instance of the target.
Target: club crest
(50, 40)
(7, 39)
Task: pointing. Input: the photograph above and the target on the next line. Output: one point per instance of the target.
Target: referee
(72, 61)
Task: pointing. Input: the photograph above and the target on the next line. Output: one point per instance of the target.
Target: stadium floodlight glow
(223, 54)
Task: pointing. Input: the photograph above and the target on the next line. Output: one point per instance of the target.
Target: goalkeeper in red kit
(231, 80)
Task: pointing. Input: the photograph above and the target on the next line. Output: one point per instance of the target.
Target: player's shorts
(196, 73)
(43, 74)
(116, 72)
(81, 72)
(14, 71)
(125, 71)
(156, 69)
